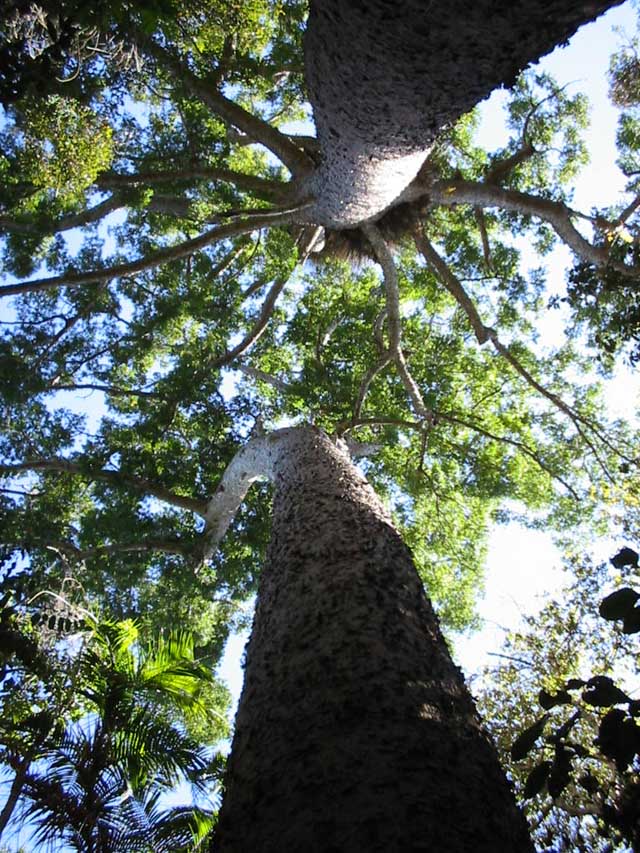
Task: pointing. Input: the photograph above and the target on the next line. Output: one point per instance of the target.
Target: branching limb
(163, 546)
(505, 439)
(557, 214)
(265, 313)
(367, 379)
(117, 478)
(262, 187)
(446, 417)
(501, 169)
(485, 333)
(262, 376)
(294, 158)
(453, 285)
(172, 253)
(392, 291)
(484, 236)
(110, 390)
(252, 462)
(65, 223)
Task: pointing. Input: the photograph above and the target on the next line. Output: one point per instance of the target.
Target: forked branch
(583, 425)
(394, 330)
(162, 256)
(294, 158)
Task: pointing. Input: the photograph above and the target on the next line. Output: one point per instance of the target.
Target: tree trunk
(15, 791)
(386, 76)
(355, 731)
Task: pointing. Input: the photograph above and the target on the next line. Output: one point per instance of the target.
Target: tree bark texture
(355, 731)
(386, 76)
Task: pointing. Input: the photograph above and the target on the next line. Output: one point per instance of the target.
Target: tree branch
(294, 158)
(65, 223)
(500, 169)
(392, 291)
(367, 379)
(117, 478)
(557, 214)
(172, 253)
(252, 462)
(263, 187)
(266, 311)
(484, 333)
(111, 390)
(261, 376)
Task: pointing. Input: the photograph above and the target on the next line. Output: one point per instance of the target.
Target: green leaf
(631, 623)
(525, 742)
(619, 737)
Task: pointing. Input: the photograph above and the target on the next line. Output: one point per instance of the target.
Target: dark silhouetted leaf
(619, 738)
(574, 684)
(618, 604)
(631, 623)
(602, 692)
(562, 731)
(550, 700)
(625, 557)
(525, 741)
(560, 774)
(536, 779)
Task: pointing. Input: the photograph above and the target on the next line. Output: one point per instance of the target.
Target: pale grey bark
(385, 77)
(355, 731)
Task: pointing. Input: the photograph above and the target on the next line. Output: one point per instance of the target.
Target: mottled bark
(355, 731)
(385, 77)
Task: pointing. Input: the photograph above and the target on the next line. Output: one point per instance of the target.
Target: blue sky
(523, 565)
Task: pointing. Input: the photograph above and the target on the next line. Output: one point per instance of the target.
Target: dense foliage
(162, 301)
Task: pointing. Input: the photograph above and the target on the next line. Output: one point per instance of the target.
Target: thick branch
(262, 187)
(453, 285)
(278, 143)
(117, 478)
(15, 792)
(392, 291)
(252, 462)
(262, 376)
(558, 215)
(65, 223)
(501, 169)
(172, 253)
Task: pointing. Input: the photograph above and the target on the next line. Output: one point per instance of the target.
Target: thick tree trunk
(355, 731)
(386, 76)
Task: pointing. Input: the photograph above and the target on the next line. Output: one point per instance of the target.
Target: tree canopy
(168, 293)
